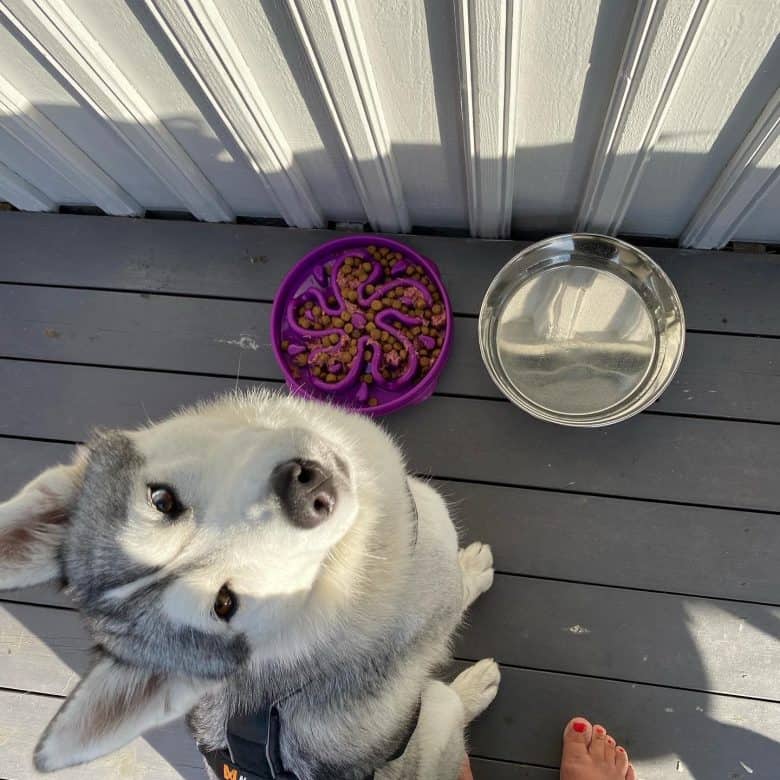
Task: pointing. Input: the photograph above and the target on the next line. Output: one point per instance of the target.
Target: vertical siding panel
(414, 61)
(660, 43)
(46, 141)
(492, 116)
(746, 179)
(332, 39)
(203, 41)
(21, 193)
(488, 47)
(57, 34)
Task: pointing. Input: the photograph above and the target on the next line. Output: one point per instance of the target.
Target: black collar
(254, 747)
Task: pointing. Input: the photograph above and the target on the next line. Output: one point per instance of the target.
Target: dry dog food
(380, 318)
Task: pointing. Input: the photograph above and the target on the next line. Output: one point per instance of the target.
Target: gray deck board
(637, 578)
(720, 553)
(167, 753)
(49, 645)
(708, 735)
(243, 261)
(488, 769)
(721, 376)
(714, 462)
(682, 642)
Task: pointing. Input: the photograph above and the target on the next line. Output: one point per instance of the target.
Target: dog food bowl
(582, 330)
(364, 321)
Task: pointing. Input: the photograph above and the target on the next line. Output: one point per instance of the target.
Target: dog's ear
(33, 524)
(111, 706)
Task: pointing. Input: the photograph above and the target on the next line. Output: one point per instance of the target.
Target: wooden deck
(638, 580)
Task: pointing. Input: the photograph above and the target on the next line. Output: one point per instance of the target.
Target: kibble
(396, 286)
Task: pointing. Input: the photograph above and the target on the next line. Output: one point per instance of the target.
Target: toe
(621, 759)
(609, 750)
(598, 743)
(630, 774)
(576, 738)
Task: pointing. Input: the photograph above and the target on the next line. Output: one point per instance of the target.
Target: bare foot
(589, 753)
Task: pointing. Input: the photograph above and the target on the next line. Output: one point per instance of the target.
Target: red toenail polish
(620, 750)
(600, 730)
(578, 726)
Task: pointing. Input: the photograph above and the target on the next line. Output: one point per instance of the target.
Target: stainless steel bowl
(582, 330)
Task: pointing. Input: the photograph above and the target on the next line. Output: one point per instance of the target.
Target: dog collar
(253, 751)
(254, 747)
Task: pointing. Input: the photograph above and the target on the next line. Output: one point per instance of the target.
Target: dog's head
(191, 546)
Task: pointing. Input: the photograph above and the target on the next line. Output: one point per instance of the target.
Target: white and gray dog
(257, 549)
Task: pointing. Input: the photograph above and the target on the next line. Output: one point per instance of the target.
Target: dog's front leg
(476, 568)
(436, 750)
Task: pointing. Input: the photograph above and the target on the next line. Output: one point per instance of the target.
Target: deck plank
(700, 644)
(722, 553)
(525, 528)
(668, 733)
(721, 376)
(724, 292)
(44, 650)
(167, 753)
(713, 462)
(606, 541)
(488, 769)
(515, 728)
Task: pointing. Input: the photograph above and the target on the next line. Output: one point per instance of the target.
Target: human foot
(589, 753)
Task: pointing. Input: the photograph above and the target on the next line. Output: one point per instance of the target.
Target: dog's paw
(477, 686)
(476, 564)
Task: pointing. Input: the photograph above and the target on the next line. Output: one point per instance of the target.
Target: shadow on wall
(549, 180)
(554, 211)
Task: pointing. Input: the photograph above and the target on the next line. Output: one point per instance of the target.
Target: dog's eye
(164, 500)
(225, 604)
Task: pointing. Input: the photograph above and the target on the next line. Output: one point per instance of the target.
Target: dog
(257, 553)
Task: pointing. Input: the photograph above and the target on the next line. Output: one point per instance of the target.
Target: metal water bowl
(582, 330)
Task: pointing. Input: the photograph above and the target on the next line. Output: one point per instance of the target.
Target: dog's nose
(306, 490)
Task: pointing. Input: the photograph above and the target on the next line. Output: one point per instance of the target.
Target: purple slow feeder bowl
(311, 278)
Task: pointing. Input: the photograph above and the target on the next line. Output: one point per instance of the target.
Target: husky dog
(252, 550)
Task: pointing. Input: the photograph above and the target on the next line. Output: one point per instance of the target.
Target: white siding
(761, 224)
(733, 72)
(491, 116)
(568, 65)
(415, 64)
